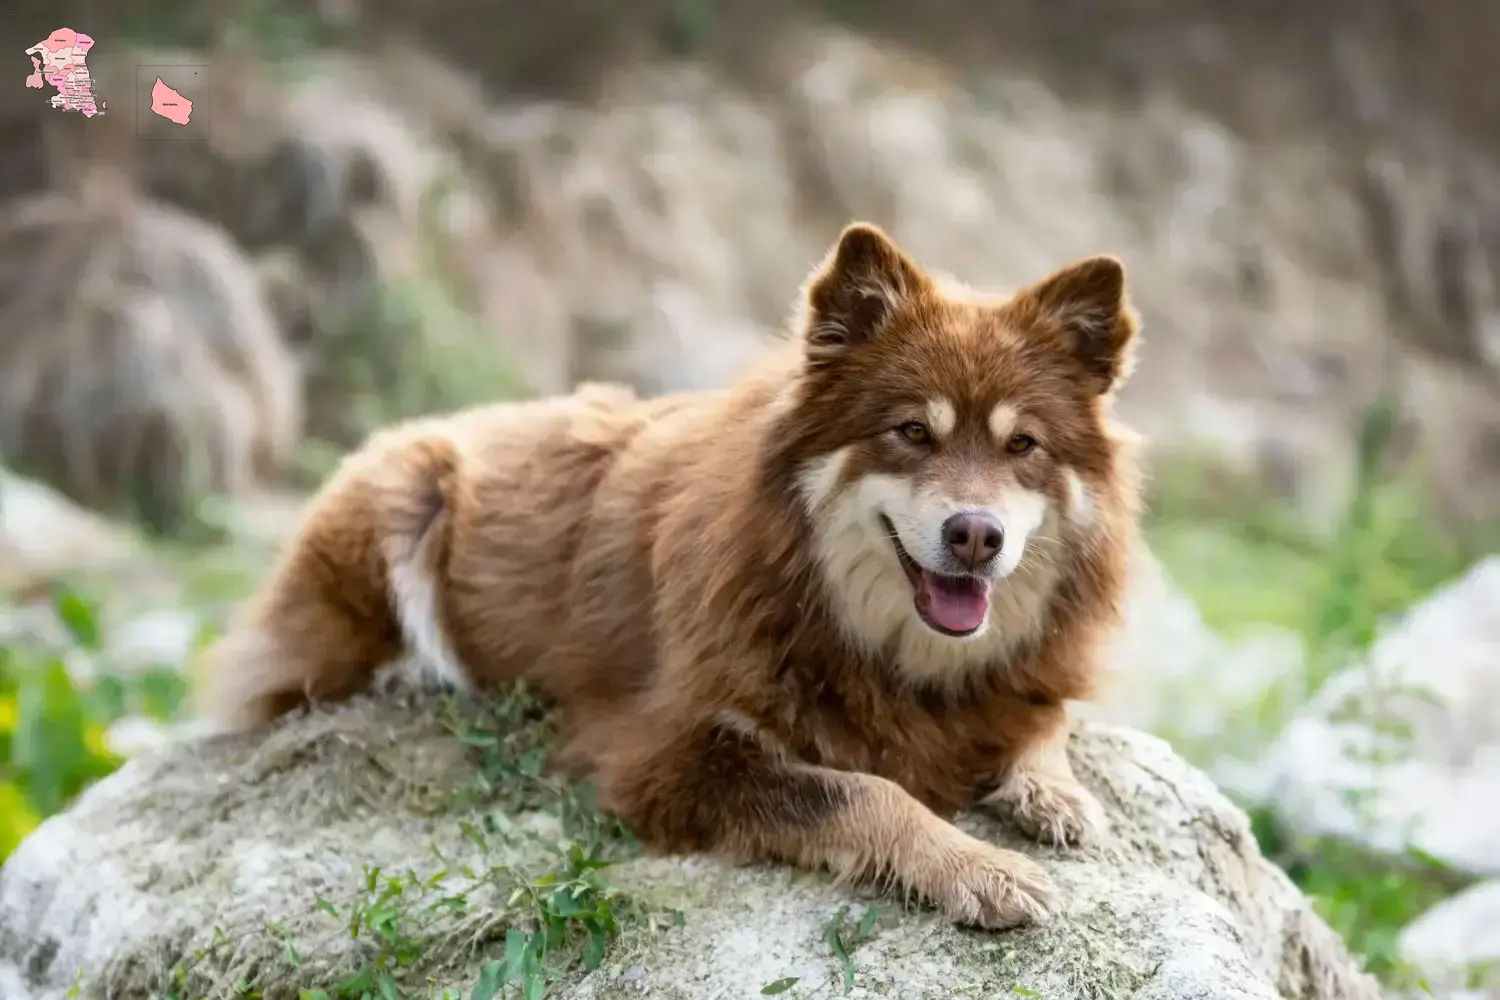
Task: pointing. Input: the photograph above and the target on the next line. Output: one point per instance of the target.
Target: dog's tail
(358, 585)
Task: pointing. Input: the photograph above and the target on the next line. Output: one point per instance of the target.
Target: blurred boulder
(1169, 673)
(142, 368)
(44, 535)
(1403, 751)
(164, 639)
(1455, 946)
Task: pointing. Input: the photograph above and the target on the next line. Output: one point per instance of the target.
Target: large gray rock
(211, 857)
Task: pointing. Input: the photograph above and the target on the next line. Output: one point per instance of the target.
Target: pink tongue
(957, 604)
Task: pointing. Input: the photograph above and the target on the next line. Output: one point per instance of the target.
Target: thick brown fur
(704, 586)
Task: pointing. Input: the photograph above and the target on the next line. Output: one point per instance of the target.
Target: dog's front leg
(722, 785)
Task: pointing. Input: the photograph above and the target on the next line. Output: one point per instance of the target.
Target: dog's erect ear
(1088, 303)
(864, 279)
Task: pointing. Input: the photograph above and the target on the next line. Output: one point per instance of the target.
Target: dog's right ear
(850, 296)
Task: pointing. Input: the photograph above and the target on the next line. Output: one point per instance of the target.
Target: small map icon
(171, 101)
(170, 104)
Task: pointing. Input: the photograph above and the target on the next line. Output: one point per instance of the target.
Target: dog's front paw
(988, 886)
(1050, 809)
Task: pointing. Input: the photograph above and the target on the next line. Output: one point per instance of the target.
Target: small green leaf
(160, 692)
(515, 955)
(593, 951)
(78, 616)
(531, 762)
(779, 986)
(357, 985)
(565, 904)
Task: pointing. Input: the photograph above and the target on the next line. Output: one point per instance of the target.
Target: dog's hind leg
(358, 584)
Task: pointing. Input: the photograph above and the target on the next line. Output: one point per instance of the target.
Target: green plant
(844, 939)
(52, 722)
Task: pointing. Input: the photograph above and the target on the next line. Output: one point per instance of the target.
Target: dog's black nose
(973, 538)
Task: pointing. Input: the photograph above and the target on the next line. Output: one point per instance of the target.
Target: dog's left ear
(1087, 302)
(851, 296)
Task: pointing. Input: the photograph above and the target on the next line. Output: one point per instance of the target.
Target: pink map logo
(61, 60)
(170, 104)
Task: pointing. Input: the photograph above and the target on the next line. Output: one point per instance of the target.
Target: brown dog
(806, 618)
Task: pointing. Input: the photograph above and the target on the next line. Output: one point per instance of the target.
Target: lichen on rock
(247, 859)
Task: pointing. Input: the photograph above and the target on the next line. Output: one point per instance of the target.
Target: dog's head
(949, 446)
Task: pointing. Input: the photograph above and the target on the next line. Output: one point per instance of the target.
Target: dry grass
(141, 367)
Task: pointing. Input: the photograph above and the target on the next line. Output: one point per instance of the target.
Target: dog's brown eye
(915, 432)
(1020, 444)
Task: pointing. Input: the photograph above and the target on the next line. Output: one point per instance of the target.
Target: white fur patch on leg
(415, 591)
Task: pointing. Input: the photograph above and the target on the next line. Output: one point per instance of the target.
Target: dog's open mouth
(952, 605)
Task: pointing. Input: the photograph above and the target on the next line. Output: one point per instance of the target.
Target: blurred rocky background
(385, 208)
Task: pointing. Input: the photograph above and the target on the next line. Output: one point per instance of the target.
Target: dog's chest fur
(851, 712)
